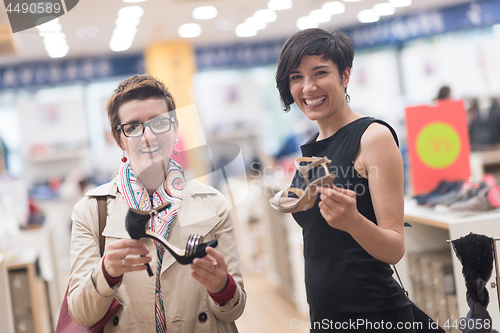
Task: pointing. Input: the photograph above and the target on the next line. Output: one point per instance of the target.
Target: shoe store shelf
(430, 231)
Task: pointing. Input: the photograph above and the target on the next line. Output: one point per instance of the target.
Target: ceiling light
(131, 12)
(255, 24)
(279, 4)
(205, 13)
(384, 9)
(400, 3)
(368, 16)
(306, 22)
(120, 43)
(243, 30)
(51, 26)
(81, 32)
(133, 1)
(125, 31)
(58, 51)
(265, 15)
(320, 16)
(189, 30)
(92, 30)
(127, 21)
(334, 7)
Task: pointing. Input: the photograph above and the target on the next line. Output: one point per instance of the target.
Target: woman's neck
(152, 177)
(328, 127)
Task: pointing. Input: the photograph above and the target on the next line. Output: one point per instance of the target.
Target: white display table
(431, 229)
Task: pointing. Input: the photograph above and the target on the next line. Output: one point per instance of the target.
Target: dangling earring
(175, 152)
(347, 97)
(124, 158)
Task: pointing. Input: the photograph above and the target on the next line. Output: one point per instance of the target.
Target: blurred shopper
(444, 93)
(206, 296)
(354, 231)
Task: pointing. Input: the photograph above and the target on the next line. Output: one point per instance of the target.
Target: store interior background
(56, 142)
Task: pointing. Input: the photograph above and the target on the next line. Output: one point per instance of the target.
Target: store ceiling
(162, 18)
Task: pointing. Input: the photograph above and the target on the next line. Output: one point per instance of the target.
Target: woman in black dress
(354, 231)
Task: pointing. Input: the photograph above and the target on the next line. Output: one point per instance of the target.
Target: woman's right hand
(116, 261)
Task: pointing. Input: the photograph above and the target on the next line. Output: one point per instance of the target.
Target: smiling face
(149, 149)
(317, 87)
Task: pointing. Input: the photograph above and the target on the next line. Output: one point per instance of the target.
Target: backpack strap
(102, 212)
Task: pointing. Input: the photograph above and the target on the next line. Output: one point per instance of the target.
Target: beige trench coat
(188, 307)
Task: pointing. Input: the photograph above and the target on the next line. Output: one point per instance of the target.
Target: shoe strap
(279, 195)
(313, 162)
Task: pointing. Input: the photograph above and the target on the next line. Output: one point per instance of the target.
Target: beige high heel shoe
(307, 197)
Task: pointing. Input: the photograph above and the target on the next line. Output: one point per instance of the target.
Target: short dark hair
(333, 45)
(137, 87)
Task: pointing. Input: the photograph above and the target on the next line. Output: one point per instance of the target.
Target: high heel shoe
(307, 197)
(136, 225)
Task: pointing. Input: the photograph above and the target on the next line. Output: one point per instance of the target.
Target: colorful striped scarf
(137, 197)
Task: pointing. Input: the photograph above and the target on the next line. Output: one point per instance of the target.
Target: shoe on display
(468, 190)
(442, 188)
(478, 203)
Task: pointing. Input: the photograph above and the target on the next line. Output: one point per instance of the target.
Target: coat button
(116, 320)
(202, 317)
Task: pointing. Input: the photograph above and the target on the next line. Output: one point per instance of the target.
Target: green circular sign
(438, 145)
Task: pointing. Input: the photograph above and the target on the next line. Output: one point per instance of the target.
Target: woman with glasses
(205, 296)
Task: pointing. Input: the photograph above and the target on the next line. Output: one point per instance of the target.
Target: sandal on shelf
(307, 197)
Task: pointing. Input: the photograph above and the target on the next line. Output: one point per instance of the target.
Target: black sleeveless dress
(341, 278)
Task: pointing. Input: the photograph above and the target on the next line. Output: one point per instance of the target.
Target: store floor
(266, 310)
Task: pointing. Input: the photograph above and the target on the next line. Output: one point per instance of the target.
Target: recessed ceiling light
(243, 30)
(334, 7)
(92, 30)
(368, 16)
(266, 15)
(189, 30)
(128, 21)
(81, 32)
(255, 23)
(306, 22)
(131, 12)
(384, 9)
(205, 13)
(320, 16)
(400, 3)
(279, 4)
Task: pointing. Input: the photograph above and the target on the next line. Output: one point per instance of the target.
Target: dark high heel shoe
(136, 225)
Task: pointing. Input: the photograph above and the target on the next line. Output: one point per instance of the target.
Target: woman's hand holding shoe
(211, 271)
(338, 208)
(117, 262)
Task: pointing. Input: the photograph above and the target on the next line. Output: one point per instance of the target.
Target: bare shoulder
(377, 135)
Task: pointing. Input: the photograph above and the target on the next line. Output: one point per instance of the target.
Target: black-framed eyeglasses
(156, 125)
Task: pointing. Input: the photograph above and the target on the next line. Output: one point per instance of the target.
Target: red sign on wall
(438, 144)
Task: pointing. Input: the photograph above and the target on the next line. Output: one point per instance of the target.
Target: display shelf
(28, 292)
(6, 315)
(429, 232)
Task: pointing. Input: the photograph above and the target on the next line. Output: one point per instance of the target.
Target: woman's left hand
(338, 207)
(211, 271)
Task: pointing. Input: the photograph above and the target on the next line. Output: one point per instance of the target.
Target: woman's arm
(89, 294)
(381, 159)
